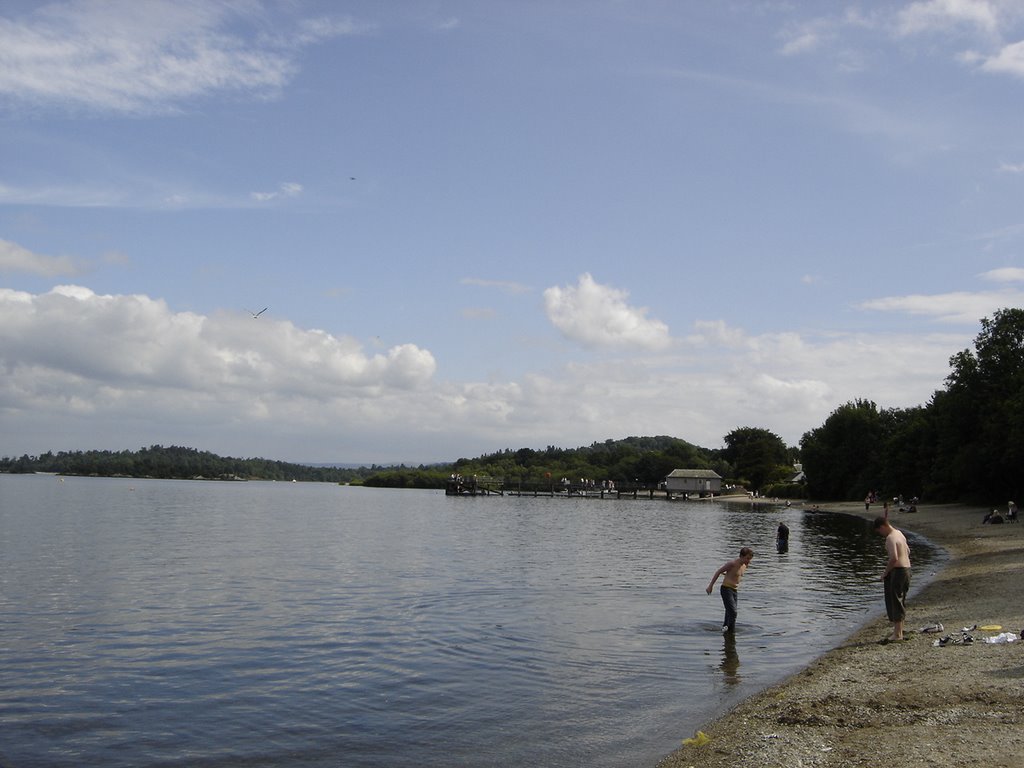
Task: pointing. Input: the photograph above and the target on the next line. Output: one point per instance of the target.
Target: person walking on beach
(896, 577)
(732, 571)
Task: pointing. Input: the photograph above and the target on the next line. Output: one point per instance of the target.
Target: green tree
(841, 457)
(757, 456)
(907, 453)
(979, 418)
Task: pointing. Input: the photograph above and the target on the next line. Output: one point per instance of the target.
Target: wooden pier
(488, 486)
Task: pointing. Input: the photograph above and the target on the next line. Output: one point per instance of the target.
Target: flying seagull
(257, 314)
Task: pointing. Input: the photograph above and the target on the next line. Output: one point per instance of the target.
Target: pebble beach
(937, 699)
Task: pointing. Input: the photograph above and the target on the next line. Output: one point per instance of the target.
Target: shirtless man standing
(733, 570)
(896, 576)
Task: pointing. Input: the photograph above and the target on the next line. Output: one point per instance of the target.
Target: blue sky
(487, 225)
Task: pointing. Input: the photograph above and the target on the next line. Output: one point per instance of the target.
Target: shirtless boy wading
(733, 572)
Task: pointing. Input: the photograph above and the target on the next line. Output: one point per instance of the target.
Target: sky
(478, 225)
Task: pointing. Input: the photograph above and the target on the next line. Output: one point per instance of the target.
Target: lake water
(176, 623)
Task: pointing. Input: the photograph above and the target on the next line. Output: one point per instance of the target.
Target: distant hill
(178, 462)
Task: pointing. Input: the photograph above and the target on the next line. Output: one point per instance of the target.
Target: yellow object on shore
(698, 740)
(991, 628)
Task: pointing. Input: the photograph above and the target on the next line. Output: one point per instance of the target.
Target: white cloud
(448, 24)
(1004, 275)
(955, 307)
(717, 333)
(822, 32)
(83, 370)
(948, 15)
(139, 194)
(15, 258)
(311, 31)
(598, 316)
(808, 38)
(65, 195)
(788, 383)
(142, 57)
(109, 354)
(990, 20)
(507, 286)
(985, 22)
(286, 190)
(1008, 61)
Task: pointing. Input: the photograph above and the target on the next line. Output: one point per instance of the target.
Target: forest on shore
(965, 444)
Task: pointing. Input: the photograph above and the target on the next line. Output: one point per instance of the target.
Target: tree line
(176, 462)
(752, 457)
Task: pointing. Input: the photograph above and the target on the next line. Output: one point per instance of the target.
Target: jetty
(458, 485)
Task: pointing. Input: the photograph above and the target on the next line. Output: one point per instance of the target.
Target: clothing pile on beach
(966, 638)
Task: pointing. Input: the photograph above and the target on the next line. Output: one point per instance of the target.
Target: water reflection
(730, 663)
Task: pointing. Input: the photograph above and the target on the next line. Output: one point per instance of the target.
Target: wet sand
(909, 704)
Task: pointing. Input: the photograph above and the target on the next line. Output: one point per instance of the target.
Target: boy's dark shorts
(897, 584)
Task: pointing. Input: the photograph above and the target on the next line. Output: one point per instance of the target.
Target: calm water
(174, 623)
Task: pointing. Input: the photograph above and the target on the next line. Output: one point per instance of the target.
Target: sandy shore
(909, 704)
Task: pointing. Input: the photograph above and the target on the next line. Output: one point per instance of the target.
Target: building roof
(702, 474)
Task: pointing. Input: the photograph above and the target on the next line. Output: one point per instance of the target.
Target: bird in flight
(257, 314)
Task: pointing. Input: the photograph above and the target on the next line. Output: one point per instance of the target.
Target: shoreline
(914, 704)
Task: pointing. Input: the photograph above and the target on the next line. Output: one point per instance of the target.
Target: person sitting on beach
(733, 571)
(993, 517)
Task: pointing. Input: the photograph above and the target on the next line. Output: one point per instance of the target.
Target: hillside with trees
(643, 461)
(178, 463)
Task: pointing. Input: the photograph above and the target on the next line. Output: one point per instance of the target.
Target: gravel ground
(908, 704)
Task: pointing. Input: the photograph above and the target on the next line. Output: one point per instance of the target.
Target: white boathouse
(705, 482)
